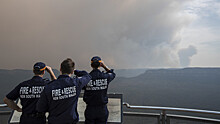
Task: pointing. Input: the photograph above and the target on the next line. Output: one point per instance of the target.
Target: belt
(35, 115)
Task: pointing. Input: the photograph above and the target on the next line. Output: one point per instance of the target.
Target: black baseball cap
(96, 59)
(39, 66)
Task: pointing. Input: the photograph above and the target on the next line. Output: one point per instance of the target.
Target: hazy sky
(125, 33)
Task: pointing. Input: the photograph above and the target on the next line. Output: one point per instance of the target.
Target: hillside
(188, 88)
(129, 72)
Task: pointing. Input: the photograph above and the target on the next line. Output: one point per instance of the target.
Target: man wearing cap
(29, 92)
(60, 97)
(95, 95)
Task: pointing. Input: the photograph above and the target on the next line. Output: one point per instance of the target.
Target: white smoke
(186, 54)
(125, 33)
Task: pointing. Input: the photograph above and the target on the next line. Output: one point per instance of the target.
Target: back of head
(95, 62)
(39, 68)
(67, 66)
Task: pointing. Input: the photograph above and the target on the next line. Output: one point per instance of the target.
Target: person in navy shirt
(95, 94)
(60, 96)
(29, 92)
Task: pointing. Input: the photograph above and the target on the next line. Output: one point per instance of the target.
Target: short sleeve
(14, 94)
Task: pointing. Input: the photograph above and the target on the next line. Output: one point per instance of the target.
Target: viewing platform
(122, 112)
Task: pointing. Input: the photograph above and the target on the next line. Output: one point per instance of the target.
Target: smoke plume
(125, 33)
(185, 55)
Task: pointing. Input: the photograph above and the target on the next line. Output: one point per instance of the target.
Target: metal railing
(164, 118)
(3, 105)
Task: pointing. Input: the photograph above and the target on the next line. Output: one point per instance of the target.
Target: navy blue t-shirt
(29, 92)
(60, 98)
(96, 90)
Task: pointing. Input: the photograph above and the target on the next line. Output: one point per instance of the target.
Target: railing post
(158, 119)
(163, 117)
(168, 120)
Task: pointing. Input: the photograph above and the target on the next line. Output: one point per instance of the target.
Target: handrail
(3, 105)
(163, 117)
(193, 117)
(172, 109)
(169, 116)
(159, 108)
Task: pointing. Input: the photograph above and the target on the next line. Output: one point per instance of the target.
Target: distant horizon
(125, 68)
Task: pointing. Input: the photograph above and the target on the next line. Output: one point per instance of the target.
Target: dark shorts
(32, 120)
(96, 114)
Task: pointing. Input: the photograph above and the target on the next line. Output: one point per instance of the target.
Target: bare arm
(11, 104)
(104, 66)
(50, 71)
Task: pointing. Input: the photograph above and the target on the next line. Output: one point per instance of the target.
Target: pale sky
(125, 33)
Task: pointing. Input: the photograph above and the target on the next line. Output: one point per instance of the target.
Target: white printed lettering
(67, 92)
(99, 84)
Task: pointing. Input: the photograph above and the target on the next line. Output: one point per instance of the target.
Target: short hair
(38, 72)
(95, 64)
(67, 66)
